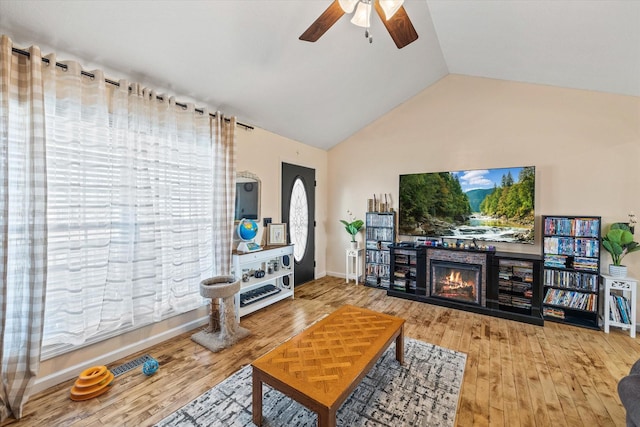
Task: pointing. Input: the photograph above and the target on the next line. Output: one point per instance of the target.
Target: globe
(247, 229)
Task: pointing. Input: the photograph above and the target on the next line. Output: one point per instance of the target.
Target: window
(298, 219)
(130, 211)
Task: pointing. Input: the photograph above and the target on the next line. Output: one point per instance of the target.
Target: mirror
(247, 196)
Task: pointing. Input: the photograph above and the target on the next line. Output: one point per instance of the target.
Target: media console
(499, 284)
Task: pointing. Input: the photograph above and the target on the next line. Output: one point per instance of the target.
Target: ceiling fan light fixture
(362, 15)
(390, 7)
(393, 16)
(348, 5)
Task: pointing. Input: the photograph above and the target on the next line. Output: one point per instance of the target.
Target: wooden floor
(516, 374)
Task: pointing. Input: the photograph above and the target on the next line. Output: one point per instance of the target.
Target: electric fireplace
(456, 281)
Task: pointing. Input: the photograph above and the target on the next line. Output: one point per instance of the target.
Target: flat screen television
(493, 205)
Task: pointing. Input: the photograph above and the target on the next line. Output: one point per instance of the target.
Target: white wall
(585, 147)
(263, 153)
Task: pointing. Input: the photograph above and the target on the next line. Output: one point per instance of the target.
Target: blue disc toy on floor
(150, 367)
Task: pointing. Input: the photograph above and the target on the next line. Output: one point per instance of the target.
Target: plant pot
(617, 270)
(354, 245)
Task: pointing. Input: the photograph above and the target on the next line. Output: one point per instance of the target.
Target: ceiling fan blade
(399, 26)
(323, 23)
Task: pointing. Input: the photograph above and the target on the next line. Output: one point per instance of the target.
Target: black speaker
(286, 261)
(285, 281)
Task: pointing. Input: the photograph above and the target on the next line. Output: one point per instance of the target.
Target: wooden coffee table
(322, 365)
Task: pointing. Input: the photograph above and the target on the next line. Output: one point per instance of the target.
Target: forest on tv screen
(434, 204)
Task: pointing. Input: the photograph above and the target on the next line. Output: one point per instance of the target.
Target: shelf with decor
(267, 276)
(380, 233)
(571, 268)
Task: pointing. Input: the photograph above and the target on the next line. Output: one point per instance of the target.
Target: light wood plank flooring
(516, 374)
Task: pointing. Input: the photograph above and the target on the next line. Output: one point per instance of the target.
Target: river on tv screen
(494, 205)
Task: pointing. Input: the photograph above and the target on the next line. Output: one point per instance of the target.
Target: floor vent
(119, 370)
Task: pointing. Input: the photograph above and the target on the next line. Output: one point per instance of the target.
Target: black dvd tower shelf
(518, 285)
(407, 269)
(571, 256)
(380, 234)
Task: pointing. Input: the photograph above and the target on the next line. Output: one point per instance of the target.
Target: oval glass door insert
(298, 219)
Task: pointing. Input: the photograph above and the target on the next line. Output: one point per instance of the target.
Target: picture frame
(277, 234)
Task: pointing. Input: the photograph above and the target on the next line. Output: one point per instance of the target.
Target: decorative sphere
(247, 229)
(150, 367)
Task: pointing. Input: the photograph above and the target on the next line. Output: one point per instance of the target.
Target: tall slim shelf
(618, 303)
(571, 256)
(380, 234)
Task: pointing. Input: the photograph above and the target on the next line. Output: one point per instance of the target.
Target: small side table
(627, 287)
(353, 264)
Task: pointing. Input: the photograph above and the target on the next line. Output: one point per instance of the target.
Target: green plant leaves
(619, 242)
(353, 227)
(612, 248)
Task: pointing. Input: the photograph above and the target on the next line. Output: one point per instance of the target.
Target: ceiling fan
(391, 12)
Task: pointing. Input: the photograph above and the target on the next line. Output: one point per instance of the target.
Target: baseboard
(340, 274)
(41, 384)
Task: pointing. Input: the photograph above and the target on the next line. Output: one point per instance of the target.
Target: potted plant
(619, 242)
(353, 227)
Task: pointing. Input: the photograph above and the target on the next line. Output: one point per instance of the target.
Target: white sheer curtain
(129, 210)
(131, 213)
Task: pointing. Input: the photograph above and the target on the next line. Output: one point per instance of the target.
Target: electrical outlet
(266, 221)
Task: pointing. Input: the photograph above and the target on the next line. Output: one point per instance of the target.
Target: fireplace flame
(454, 280)
(454, 283)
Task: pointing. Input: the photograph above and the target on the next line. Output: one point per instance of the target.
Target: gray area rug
(423, 392)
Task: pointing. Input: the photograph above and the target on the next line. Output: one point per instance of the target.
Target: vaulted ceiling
(244, 57)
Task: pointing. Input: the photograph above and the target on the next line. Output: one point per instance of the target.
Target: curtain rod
(87, 74)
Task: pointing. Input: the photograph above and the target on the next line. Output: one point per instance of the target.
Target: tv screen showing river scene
(494, 205)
